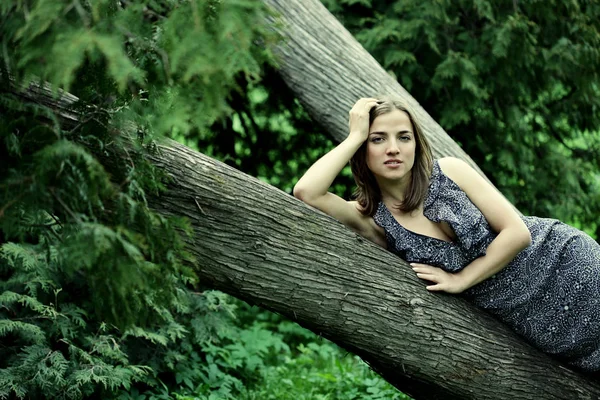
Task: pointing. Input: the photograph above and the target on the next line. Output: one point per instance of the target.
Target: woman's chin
(392, 176)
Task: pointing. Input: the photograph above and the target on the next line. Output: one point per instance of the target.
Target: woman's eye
(405, 138)
(376, 140)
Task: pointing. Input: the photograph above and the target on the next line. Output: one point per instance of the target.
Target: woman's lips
(392, 163)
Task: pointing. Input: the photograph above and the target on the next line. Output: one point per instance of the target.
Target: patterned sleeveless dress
(550, 292)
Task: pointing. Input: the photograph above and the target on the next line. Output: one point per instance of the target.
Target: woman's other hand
(443, 281)
(359, 118)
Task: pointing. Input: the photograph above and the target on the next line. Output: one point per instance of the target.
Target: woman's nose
(393, 148)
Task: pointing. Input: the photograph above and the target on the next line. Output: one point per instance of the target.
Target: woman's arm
(314, 184)
(313, 187)
(513, 235)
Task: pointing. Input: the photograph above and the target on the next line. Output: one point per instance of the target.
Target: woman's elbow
(529, 240)
(524, 236)
(299, 192)
(519, 235)
(303, 193)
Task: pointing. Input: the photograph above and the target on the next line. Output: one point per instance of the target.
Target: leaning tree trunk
(267, 248)
(328, 70)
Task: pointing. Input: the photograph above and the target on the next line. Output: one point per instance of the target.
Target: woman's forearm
(319, 177)
(503, 249)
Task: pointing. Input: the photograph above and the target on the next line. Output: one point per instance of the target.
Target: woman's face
(391, 146)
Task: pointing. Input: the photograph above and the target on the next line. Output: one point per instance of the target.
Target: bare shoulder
(453, 165)
(498, 212)
(459, 171)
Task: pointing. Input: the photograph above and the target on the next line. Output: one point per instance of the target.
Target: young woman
(538, 275)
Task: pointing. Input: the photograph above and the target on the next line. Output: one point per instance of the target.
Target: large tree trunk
(328, 70)
(265, 247)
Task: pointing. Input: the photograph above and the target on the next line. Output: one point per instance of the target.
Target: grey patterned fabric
(549, 294)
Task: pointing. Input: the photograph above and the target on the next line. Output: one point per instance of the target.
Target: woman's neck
(394, 192)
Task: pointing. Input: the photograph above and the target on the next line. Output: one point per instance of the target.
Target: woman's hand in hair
(359, 118)
(443, 281)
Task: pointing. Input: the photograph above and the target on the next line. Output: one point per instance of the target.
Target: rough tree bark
(265, 247)
(328, 70)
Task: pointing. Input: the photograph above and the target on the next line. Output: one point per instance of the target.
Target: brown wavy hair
(367, 191)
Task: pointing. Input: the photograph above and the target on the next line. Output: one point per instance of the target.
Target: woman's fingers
(427, 272)
(364, 105)
(443, 281)
(435, 288)
(429, 277)
(358, 123)
(420, 265)
(367, 100)
(424, 268)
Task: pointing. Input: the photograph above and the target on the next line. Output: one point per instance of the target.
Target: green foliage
(313, 368)
(268, 136)
(514, 83)
(98, 297)
(97, 292)
(73, 263)
(165, 64)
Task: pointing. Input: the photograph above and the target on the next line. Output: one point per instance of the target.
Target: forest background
(97, 296)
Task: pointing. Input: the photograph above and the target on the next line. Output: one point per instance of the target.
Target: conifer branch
(10, 203)
(64, 205)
